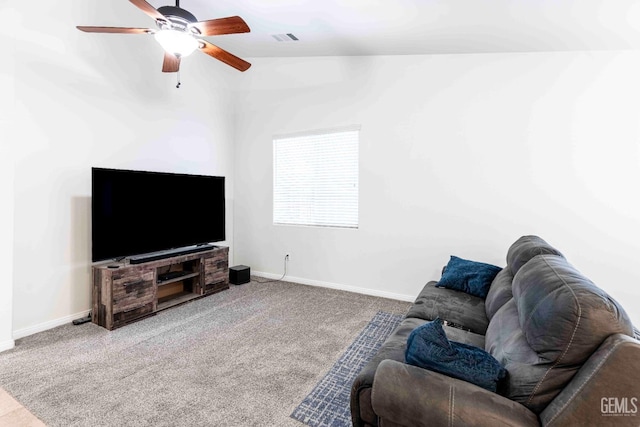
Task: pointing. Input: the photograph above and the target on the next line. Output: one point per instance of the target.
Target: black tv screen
(138, 212)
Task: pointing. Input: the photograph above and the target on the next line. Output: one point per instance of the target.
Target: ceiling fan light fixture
(179, 33)
(176, 42)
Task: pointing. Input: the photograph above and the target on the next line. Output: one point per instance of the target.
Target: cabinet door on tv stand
(216, 271)
(133, 293)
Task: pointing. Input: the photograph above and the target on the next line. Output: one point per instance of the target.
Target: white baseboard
(341, 287)
(7, 345)
(25, 332)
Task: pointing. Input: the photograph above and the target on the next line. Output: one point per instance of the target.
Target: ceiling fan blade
(148, 9)
(216, 27)
(224, 56)
(171, 63)
(121, 30)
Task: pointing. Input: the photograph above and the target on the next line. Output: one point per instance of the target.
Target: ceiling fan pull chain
(178, 85)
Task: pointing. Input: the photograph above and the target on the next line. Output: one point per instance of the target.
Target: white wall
(88, 100)
(7, 103)
(6, 245)
(6, 249)
(459, 154)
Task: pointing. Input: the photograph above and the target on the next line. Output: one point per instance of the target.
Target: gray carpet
(328, 403)
(244, 357)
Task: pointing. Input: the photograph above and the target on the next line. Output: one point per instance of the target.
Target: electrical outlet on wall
(287, 256)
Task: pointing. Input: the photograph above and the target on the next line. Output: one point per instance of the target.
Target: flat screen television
(140, 212)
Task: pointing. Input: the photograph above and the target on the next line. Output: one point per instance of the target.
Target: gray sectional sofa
(568, 347)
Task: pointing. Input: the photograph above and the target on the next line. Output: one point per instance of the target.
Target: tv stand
(127, 292)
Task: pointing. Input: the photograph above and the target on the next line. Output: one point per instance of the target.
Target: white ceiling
(405, 27)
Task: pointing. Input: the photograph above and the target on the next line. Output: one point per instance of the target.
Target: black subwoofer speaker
(239, 274)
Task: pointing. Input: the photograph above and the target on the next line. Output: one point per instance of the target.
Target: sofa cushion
(499, 293)
(554, 322)
(468, 276)
(583, 314)
(519, 253)
(525, 248)
(428, 347)
(453, 306)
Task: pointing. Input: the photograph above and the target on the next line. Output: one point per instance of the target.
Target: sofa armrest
(407, 395)
(605, 389)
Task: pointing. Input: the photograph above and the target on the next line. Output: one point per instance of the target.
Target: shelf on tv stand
(177, 299)
(124, 293)
(177, 278)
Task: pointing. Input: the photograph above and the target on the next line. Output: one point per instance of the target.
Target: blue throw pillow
(428, 347)
(467, 276)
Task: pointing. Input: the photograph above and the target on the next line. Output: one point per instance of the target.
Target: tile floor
(13, 414)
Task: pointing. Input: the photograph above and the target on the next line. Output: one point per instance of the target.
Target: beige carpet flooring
(244, 357)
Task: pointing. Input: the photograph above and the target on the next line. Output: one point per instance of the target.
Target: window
(315, 178)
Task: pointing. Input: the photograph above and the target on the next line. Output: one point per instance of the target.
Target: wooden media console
(124, 293)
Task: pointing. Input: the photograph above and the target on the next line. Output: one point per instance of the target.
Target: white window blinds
(315, 178)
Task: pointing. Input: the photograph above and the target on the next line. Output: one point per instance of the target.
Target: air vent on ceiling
(285, 37)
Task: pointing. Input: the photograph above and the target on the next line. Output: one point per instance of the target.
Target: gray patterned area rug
(328, 403)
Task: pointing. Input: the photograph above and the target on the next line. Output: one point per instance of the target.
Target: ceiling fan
(179, 34)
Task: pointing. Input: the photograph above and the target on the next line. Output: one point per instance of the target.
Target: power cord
(286, 261)
(82, 320)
